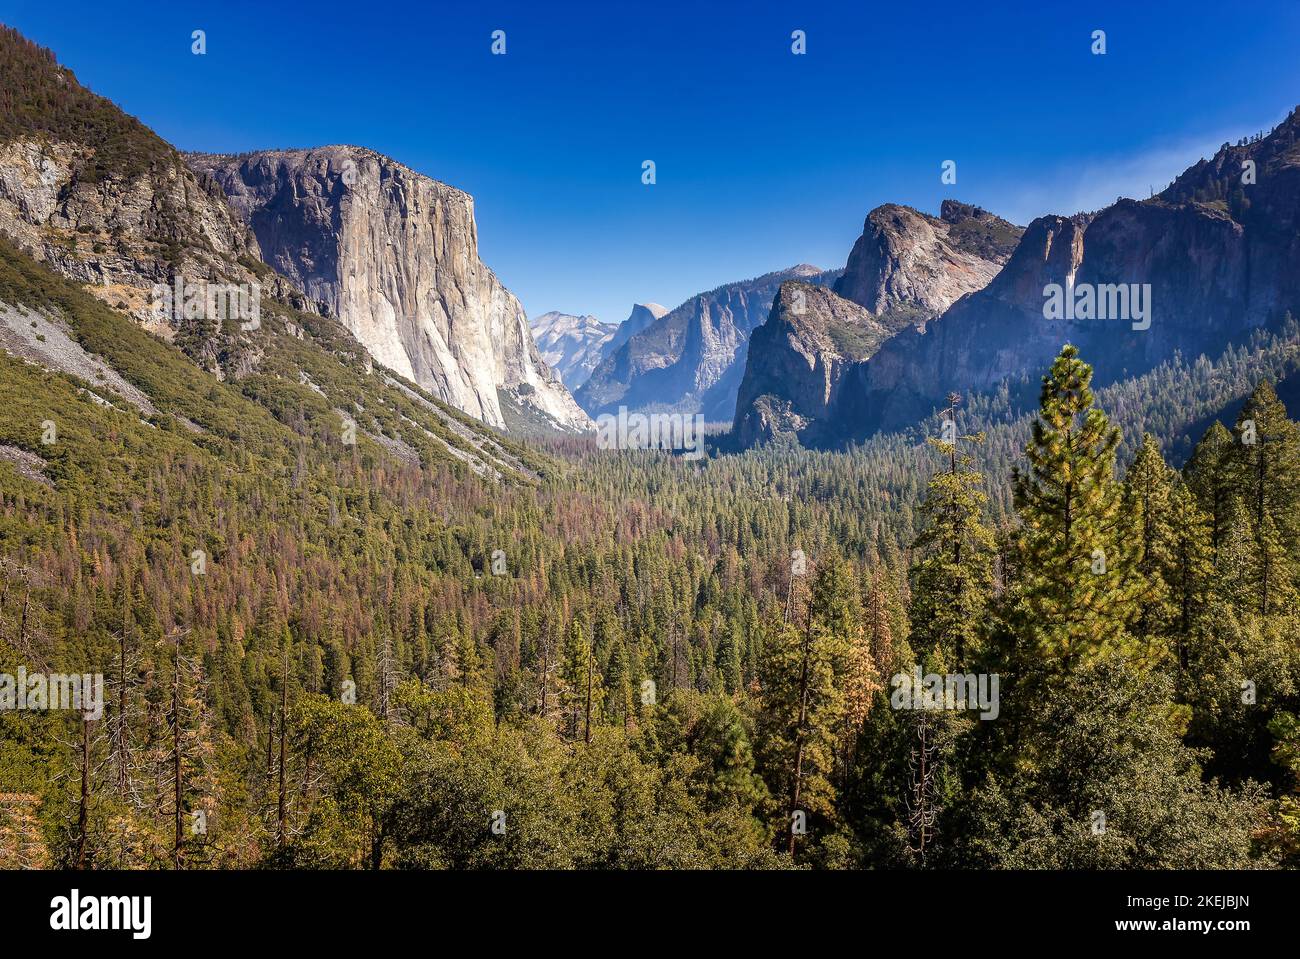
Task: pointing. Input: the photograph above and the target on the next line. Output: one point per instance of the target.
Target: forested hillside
(435, 647)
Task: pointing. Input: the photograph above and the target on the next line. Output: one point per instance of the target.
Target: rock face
(128, 231)
(1212, 257)
(1221, 258)
(571, 345)
(692, 359)
(905, 269)
(394, 255)
(797, 363)
(913, 267)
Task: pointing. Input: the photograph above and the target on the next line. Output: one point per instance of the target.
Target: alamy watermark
(75, 912)
(652, 431)
(83, 692)
(202, 300)
(1099, 301)
(976, 691)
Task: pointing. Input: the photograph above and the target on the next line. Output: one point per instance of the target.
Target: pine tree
(1147, 509)
(803, 697)
(1264, 464)
(1079, 579)
(620, 705)
(1210, 480)
(583, 689)
(951, 579)
(1190, 570)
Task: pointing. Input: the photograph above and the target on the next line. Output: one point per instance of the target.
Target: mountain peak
(911, 266)
(655, 309)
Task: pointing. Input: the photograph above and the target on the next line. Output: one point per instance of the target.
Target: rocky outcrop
(100, 198)
(96, 194)
(394, 255)
(128, 231)
(911, 267)
(905, 269)
(794, 376)
(571, 345)
(1218, 258)
(692, 359)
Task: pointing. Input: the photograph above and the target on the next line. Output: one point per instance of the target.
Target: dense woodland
(612, 659)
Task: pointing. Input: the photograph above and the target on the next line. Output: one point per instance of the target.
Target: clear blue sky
(764, 159)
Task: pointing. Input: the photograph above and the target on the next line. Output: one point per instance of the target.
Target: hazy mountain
(571, 345)
(574, 346)
(641, 317)
(692, 358)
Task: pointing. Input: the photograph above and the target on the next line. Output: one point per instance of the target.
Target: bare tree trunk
(177, 783)
(282, 826)
(590, 668)
(922, 812)
(797, 785)
(120, 719)
(22, 622)
(83, 807)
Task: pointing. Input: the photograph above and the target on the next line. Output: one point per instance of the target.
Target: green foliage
(1079, 574)
(1107, 784)
(952, 572)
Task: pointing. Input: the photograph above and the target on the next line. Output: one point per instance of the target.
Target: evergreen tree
(1191, 567)
(803, 697)
(952, 572)
(1079, 578)
(1147, 508)
(1264, 464)
(583, 689)
(1209, 477)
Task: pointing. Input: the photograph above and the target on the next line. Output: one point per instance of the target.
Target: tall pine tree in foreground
(803, 697)
(1079, 579)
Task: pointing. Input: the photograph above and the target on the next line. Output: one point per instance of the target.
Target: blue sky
(764, 159)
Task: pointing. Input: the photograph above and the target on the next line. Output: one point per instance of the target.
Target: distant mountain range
(905, 268)
(924, 306)
(690, 359)
(574, 346)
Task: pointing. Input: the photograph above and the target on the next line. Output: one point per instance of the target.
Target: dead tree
(922, 811)
(800, 730)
